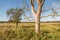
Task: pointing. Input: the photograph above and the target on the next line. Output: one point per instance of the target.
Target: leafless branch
(33, 9)
(42, 2)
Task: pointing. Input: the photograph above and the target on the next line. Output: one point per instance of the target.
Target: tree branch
(33, 9)
(32, 2)
(42, 2)
(39, 2)
(39, 7)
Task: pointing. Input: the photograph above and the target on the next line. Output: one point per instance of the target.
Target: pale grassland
(25, 31)
(44, 26)
(29, 24)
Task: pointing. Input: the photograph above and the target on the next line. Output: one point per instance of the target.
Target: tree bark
(37, 20)
(16, 25)
(37, 24)
(37, 14)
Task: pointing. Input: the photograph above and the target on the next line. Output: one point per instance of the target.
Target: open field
(48, 26)
(50, 31)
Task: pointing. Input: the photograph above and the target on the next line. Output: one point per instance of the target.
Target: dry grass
(50, 31)
(44, 26)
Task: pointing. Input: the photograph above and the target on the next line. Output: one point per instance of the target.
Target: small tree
(15, 15)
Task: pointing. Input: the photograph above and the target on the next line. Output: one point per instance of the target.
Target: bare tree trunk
(16, 25)
(37, 14)
(37, 24)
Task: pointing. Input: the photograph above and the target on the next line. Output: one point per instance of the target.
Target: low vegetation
(25, 31)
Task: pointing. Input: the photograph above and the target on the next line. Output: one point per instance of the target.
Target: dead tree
(37, 14)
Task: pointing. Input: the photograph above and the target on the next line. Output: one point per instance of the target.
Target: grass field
(25, 31)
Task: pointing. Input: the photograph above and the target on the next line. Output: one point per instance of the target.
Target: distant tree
(15, 15)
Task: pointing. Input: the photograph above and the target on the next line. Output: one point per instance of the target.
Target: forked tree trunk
(37, 14)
